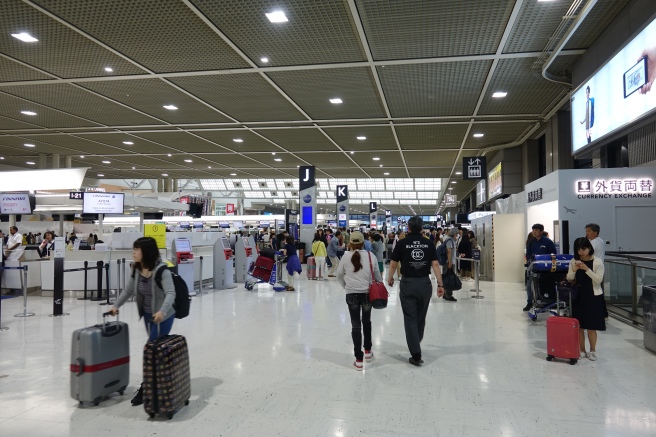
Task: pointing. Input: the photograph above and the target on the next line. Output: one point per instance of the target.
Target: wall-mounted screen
(237, 225)
(264, 224)
(224, 225)
(618, 94)
(15, 203)
(494, 182)
(103, 203)
(308, 216)
(182, 245)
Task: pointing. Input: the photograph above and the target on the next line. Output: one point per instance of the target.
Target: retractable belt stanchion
(106, 284)
(123, 270)
(86, 271)
(200, 282)
(58, 289)
(2, 271)
(24, 285)
(476, 277)
(99, 268)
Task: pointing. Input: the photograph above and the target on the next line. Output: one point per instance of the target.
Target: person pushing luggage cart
(155, 305)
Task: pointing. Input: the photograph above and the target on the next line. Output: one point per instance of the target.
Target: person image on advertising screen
(589, 115)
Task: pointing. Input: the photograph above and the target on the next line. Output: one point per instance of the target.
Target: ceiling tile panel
(350, 172)
(431, 137)
(74, 54)
(430, 90)
(601, 15)
(181, 142)
(250, 141)
(150, 96)
(312, 89)
(77, 145)
(11, 71)
(428, 29)
(162, 35)
(430, 159)
(156, 162)
(326, 160)
(376, 138)
(77, 101)
(235, 161)
(245, 97)
(299, 140)
(528, 93)
(317, 31)
(429, 172)
(495, 134)
(366, 159)
(11, 124)
(534, 26)
(41, 145)
(11, 107)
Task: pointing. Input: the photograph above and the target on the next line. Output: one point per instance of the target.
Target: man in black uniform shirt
(417, 255)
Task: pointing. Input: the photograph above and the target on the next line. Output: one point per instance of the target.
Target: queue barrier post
(476, 280)
(200, 281)
(25, 313)
(2, 270)
(106, 267)
(99, 267)
(86, 274)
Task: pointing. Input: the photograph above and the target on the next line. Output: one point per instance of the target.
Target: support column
(100, 225)
(60, 232)
(43, 161)
(160, 185)
(68, 161)
(175, 185)
(55, 160)
(12, 219)
(169, 185)
(141, 222)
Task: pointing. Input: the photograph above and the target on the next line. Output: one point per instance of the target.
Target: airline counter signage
(102, 203)
(18, 203)
(614, 188)
(230, 209)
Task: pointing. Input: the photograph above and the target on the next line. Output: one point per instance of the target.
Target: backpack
(182, 299)
(442, 253)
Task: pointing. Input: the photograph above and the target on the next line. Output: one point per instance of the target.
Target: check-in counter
(11, 279)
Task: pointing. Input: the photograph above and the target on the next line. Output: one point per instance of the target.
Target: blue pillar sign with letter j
(474, 168)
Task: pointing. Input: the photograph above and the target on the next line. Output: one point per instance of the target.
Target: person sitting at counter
(47, 245)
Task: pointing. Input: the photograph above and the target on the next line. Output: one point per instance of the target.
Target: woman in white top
(354, 273)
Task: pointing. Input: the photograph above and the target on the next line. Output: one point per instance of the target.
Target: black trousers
(359, 302)
(415, 295)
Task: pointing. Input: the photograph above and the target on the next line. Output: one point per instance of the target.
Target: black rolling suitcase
(167, 381)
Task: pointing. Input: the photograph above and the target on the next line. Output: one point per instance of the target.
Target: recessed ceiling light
(169, 155)
(188, 160)
(106, 162)
(165, 174)
(170, 107)
(380, 165)
(454, 182)
(133, 168)
(277, 17)
(458, 172)
(29, 163)
(277, 159)
(24, 36)
(209, 166)
(386, 174)
(478, 135)
(336, 101)
(298, 166)
(129, 143)
(100, 174)
(352, 153)
(273, 153)
(264, 60)
(237, 140)
(233, 174)
(361, 137)
(29, 145)
(109, 69)
(375, 158)
(499, 94)
(28, 112)
(82, 156)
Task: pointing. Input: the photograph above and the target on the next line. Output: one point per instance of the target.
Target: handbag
(378, 294)
(451, 281)
(567, 289)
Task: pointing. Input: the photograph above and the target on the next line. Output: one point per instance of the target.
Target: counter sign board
(156, 231)
(102, 203)
(474, 168)
(15, 203)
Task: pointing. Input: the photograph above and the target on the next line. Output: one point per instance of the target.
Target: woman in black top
(465, 251)
(47, 245)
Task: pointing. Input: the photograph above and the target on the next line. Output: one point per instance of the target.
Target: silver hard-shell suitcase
(100, 361)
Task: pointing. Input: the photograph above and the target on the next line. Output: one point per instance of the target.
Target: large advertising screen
(102, 203)
(494, 182)
(618, 94)
(15, 203)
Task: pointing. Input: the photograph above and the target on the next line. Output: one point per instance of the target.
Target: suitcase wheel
(187, 402)
(169, 416)
(121, 392)
(95, 404)
(550, 357)
(572, 361)
(152, 415)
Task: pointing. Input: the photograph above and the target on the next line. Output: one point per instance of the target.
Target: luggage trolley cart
(267, 268)
(546, 271)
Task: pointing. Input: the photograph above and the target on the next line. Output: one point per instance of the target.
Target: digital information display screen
(618, 94)
(15, 203)
(307, 218)
(182, 245)
(103, 203)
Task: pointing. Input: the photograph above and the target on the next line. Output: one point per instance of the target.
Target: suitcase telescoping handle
(110, 330)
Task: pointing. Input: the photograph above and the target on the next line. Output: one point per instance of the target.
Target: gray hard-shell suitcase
(100, 361)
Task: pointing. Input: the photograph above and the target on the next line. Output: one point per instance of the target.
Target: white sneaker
(358, 364)
(368, 355)
(592, 356)
(583, 355)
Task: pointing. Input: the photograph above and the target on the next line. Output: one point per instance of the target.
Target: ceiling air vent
(237, 184)
(288, 185)
(274, 193)
(262, 184)
(294, 193)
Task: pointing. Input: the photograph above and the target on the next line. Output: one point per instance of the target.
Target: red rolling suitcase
(311, 268)
(563, 338)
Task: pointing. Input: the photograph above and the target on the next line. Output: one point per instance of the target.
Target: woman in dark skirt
(293, 263)
(589, 307)
(465, 251)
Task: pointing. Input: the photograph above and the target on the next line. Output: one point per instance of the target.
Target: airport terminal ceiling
(215, 89)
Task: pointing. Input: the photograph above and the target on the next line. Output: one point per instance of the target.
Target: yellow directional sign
(158, 232)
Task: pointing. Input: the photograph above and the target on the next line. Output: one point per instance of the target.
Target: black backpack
(182, 299)
(442, 254)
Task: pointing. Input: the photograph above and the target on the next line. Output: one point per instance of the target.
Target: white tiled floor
(280, 364)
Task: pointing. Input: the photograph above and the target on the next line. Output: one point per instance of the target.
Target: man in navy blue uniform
(539, 245)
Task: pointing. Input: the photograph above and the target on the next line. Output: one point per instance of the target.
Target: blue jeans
(164, 327)
(529, 291)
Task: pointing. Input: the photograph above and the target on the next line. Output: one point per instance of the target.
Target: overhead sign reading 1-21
(102, 203)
